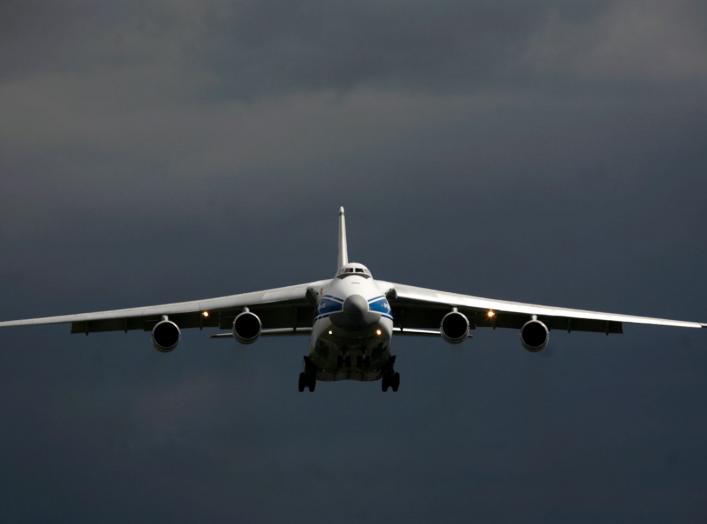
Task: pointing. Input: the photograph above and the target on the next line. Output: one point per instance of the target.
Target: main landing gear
(306, 381)
(390, 378)
(308, 378)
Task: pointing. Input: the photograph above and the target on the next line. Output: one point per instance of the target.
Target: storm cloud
(544, 151)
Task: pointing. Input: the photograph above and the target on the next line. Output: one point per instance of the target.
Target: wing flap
(416, 332)
(275, 332)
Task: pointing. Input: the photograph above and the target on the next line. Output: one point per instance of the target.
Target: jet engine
(246, 327)
(534, 335)
(455, 327)
(165, 336)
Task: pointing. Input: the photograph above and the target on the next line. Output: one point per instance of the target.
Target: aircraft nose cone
(355, 307)
(355, 314)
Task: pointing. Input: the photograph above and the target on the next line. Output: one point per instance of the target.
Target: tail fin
(343, 248)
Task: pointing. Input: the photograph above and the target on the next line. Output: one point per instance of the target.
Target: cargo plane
(350, 320)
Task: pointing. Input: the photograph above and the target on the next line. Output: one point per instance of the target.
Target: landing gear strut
(308, 378)
(306, 381)
(390, 378)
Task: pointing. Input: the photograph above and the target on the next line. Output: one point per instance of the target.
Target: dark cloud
(543, 151)
(250, 49)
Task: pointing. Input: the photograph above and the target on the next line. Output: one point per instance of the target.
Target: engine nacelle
(165, 336)
(246, 327)
(455, 327)
(534, 335)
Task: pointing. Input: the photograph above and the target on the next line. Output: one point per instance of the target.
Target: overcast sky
(548, 151)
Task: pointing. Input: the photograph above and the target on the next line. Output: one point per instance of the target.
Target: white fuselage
(352, 329)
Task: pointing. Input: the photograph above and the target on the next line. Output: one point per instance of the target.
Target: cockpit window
(354, 270)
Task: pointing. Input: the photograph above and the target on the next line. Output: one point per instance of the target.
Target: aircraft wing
(416, 308)
(285, 307)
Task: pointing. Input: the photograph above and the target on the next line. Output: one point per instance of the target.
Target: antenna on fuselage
(343, 248)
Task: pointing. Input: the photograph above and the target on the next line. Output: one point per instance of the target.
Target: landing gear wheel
(390, 379)
(308, 379)
(395, 382)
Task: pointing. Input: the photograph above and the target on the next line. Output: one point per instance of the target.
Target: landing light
(205, 314)
(331, 332)
(490, 314)
(379, 332)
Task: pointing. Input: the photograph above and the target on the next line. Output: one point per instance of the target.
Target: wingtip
(341, 210)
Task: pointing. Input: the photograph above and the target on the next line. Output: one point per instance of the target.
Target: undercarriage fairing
(340, 354)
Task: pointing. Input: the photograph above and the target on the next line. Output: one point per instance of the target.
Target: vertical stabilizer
(343, 248)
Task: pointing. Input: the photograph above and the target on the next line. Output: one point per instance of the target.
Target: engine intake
(534, 335)
(165, 336)
(246, 327)
(455, 327)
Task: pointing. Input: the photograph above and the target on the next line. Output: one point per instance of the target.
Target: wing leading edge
(416, 307)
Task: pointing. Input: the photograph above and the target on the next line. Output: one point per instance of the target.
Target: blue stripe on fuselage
(328, 306)
(380, 305)
(318, 317)
(331, 304)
